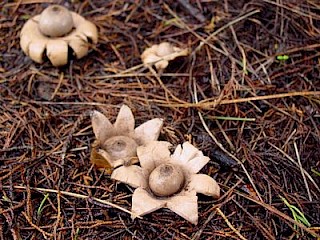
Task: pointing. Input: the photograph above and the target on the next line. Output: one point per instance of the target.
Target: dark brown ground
(236, 74)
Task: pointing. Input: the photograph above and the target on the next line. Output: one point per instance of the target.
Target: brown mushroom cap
(166, 179)
(55, 21)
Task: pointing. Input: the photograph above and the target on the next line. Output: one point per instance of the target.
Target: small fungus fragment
(160, 55)
(54, 33)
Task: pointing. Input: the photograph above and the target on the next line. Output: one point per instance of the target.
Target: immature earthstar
(165, 180)
(116, 144)
(160, 55)
(54, 33)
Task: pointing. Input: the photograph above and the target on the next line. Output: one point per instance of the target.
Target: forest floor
(247, 95)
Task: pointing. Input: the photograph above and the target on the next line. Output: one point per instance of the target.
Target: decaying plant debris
(253, 68)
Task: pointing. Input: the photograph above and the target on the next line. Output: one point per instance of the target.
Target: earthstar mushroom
(53, 32)
(168, 180)
(116, 144)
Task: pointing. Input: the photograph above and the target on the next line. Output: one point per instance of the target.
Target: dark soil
(254, 69)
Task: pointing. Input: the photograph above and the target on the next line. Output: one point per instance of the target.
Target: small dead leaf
(98, 160)
(87, 180)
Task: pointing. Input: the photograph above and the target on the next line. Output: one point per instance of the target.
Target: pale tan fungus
(120, 147)
(55, 21)
(116, 144)
(168, 180)
(55, 30)
(160, 55)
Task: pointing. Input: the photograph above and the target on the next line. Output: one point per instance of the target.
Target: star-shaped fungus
(116, 144)
(57, 33)
(166, 180)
